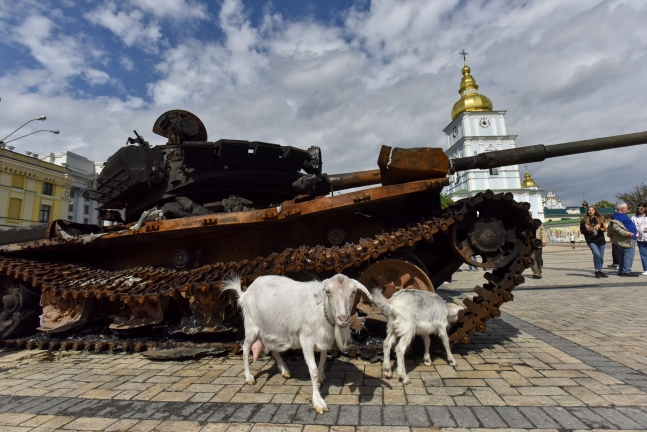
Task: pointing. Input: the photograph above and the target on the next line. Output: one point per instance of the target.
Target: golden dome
(528, 182)
(470, 100)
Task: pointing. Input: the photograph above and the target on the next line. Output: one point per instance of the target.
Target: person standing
(592, 228)
(573, 241)
(616, 250)
(624, 234)
(640, 220)
(536, 255)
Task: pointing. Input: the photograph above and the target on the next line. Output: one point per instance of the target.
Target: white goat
(281, 314)
(414, 312)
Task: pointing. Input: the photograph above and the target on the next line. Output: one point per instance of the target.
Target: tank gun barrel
(423, 163)
(540, 152)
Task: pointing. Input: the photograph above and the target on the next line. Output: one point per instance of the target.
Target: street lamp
(41, 118)
(56, 132)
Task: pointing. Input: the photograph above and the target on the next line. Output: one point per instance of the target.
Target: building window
(15, 205)
(72, 193)
(70, 218)
(494, 171)
(86, 209)
(70, 207)
(48, 188)
(18, 181)
(44, 213)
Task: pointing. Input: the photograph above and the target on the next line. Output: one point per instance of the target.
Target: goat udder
(257, 348)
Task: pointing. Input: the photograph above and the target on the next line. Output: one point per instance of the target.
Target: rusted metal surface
(354, 179)
(288, 209)
(144, 290)
(399, 165)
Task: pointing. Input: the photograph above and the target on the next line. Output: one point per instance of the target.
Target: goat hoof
(319, 410)
(251, 382)
(427, 362)
(287, 375)
(406, 381)
(388, 375)
(321, 380)
(453, 363)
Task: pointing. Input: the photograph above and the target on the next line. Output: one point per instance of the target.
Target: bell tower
(477, 128)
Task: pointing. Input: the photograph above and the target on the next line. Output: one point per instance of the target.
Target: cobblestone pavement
(568, 353)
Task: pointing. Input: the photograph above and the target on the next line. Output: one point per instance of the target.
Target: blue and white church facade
(474, 129)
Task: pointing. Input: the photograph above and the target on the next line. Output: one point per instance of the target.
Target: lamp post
(56, 132)
(41, 118)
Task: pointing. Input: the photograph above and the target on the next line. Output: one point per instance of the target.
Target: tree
(604, 204)
(637, 195)
(445, 201)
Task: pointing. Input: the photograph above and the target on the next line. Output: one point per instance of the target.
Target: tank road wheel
(63, 313)
(391, 275)
(18, 310)
(490, 226)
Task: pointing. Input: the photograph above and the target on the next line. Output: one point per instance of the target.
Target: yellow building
(32, 191)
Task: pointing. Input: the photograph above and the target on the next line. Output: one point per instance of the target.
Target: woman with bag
(640, 220)
(593, 228)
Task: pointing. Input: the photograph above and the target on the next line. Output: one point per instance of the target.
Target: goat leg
(442, 332)
(427, 358)
(321, 377)
(388, 342)
(317, 401)
(285, 372)
(400, 349)
(249, 378)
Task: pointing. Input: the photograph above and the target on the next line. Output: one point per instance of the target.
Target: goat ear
(320, 292)
(361, 287)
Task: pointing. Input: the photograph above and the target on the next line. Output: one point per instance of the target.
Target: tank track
(154, 283)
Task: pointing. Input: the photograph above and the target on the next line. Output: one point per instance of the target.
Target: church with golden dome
(476, 128)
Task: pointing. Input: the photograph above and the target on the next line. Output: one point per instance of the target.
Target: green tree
(445, 201)
(637, 195)
(604, 204)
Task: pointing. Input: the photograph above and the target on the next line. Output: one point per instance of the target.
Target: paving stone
(416, 416)
(348, 415)
(590, 418)
(305, 415)
(635, 414)
(205, 411)
(285, 414)
(513, 417)
(394, 416)
(488, 417)
(564, 418)
(222, 412)
(464, 417)
(327, 418)
(243, 413)
(441, 416)
(618, 418)
(263, 413)
(370, 416)
(539, 418)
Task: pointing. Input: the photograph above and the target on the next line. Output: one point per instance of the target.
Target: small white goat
(281, 314)
(414, 312)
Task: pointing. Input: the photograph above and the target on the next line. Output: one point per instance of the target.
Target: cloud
(389, 74)
(131, 26)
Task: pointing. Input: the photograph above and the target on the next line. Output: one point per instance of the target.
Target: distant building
(32, 191)
(475, 128)
(551, 201)
(83, 170)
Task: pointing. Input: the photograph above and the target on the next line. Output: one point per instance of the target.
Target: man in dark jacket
(627, 252)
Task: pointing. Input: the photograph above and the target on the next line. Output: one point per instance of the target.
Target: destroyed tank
(190, 214)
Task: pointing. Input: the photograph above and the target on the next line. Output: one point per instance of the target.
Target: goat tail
(382, 302)
(233, 284)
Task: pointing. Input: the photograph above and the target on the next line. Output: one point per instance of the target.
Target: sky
(348, 76)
